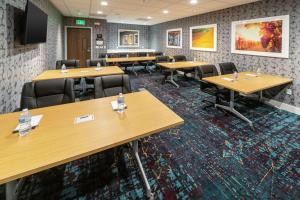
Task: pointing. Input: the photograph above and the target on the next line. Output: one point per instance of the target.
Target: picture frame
(261, 37)
(204, 37)
(174, 38)
(128, 38)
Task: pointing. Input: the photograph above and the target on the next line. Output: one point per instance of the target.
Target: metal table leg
(133, 70)
(234, 111)
(13, 188)
(150, 195)
(147, 69)
(172, 79)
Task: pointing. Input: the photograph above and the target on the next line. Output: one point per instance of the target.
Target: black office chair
(165, 72)
(125, 65)
(182, 58)
(47, 93)
(112, 85)
(145, 64)
(220, 93)
(94, 63)
(158, 53)
(227, 68)
(70, 64)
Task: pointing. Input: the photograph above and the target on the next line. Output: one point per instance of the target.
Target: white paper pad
(227, 79)
(252, 75)
(84, 71)
(64, 71)
(84, 118)
(35, 121)
(114, 105)
(98, 69)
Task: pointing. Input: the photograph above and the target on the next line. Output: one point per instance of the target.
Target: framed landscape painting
(261, 37)
(128, 38)
(174, 38)
(203, 38)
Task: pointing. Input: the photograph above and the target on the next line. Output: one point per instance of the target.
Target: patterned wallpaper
(20, 64)
(113, 34)
(266, 8)
(97, 29)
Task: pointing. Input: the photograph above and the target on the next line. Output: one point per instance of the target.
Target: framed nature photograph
(261, 37)
(174, 38)
(128, 38)
(204, 37)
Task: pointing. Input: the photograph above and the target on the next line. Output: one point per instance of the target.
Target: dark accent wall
(113, 35)
(22, 63)
(266, 8)
(97, 29)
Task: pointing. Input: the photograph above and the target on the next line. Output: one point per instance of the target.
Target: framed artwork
(174, 38)
(204, 38)
(261, 37)
(128, 38)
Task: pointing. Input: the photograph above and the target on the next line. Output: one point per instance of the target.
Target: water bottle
(127, 56)
(121, 103)
(235, 76)
(147, 54)
(173, 60)
(98, 66)
(24, 122)
(258, 71)
(195, 59)
(106, 56)
(63, 68)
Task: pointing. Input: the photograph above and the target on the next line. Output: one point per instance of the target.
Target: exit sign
(80, 22)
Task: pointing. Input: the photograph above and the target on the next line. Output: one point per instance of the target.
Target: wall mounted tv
(35, 25)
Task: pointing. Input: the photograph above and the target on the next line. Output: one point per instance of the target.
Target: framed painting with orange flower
(261, 37)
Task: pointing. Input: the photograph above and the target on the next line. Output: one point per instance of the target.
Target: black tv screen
(35, 26)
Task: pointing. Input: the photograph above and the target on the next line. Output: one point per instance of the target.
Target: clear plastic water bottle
(121, 103)
(235, 76)
(258, 71)
(127, 56)
(147, 54)
(98, 66)
(173, 60)
(106, 56)
(24, 122)
(63, 68)
(195, 59)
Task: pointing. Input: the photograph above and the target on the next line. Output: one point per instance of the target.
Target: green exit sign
(80, 22)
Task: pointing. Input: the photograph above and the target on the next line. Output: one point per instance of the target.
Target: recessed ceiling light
(99, 12)
(193, 1)
(149, 17)
(165, 11)
(104, 3)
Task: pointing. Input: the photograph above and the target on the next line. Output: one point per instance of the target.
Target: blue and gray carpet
(214, 155)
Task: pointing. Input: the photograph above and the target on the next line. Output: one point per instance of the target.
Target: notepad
(114, 105)
(227, 79)
(35, 121)
(64, 71)
(84, 118)
(252, 75)
(98, 68)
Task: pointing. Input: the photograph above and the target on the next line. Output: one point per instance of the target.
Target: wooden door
(79, 44)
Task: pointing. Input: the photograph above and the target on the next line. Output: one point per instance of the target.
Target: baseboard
(283, 106)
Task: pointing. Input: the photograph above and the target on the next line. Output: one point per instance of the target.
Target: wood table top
(58, 140)
(181, 65)
(248, 82)
(79, 73)
(130, 59)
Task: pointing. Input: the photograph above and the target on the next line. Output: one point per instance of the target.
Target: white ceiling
(137, 11)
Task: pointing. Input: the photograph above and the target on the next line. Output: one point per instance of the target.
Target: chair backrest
(162, 59)
(93, 63)
(179, 58)
(158, 54)
(142, 54)
(69, 64)
(206, 71)
(103, 55)
(47, 93)
(122, 55)
(112, 85)
(227, 68)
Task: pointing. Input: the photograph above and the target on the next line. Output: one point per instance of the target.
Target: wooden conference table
(173, 66)
(247, 83)
(55, 141)
(79, 73)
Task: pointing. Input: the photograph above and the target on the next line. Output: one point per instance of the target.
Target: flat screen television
(35, 26)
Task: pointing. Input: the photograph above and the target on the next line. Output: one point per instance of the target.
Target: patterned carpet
(214, 155)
